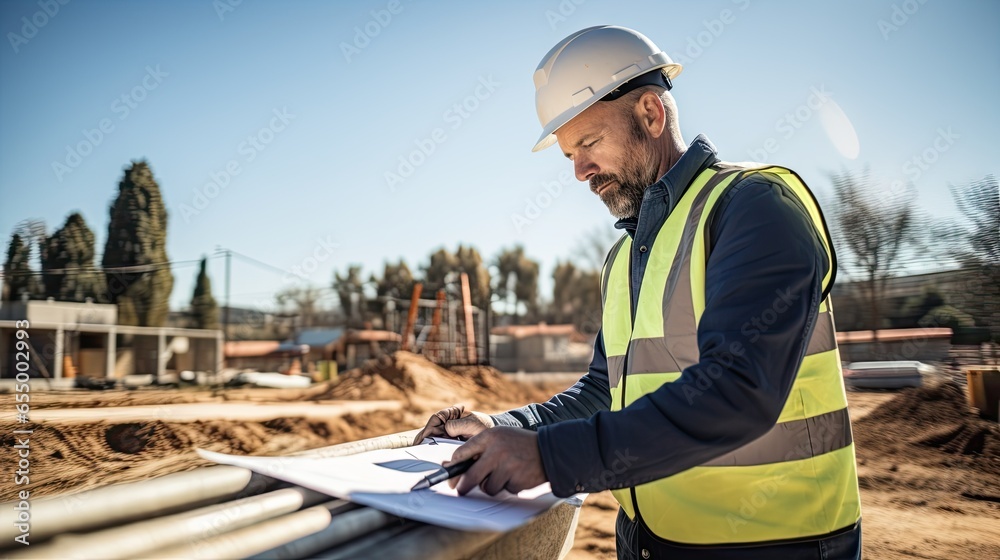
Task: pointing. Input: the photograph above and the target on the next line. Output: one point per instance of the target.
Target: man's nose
(585, 169)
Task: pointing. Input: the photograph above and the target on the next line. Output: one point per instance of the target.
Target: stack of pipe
(231, 512)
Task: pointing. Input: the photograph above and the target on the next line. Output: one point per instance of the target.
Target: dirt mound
(116, 397)
(925, 448)
(964, 438)
(354, 385)
(934, 420)
(154, 395)
(492, 380)
(424, 384)
(79, 456)
(85, 455)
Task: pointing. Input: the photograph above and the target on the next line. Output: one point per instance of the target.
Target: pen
(443, 474)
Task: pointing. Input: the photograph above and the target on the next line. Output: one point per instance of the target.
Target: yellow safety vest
(798, 480)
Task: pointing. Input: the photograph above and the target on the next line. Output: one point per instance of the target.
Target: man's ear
(650, 113)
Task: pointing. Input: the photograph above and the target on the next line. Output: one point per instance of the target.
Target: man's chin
(618, 207)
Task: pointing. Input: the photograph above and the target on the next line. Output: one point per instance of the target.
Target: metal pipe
(434, 339)
(392, 441)
(428, 541)
(343, 528)
(549, 536)
(225, 318)
(411, 315)
(132, 501)
(267, 526)
(365, 547)
(255, 539)
(470, 327)
(136, 540)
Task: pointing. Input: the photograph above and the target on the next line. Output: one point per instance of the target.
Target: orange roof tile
(250, 348)
(523, 331)
(890, 335)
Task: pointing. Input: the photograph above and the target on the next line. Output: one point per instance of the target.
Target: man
(714, 408)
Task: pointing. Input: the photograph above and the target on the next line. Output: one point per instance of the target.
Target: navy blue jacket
(766, 254)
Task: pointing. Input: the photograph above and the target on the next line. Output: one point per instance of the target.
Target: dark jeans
(631, 539)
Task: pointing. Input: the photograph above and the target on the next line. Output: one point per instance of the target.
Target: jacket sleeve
(763, 290)
(589, 395)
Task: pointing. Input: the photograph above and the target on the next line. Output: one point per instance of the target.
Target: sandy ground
(191, 412)
(595, 535)
(929, 470)
(929, 473)
(85, 439)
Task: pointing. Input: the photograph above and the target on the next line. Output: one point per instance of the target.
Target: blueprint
(382, 480)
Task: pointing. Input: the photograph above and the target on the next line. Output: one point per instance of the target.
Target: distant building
(84, 339)
(540, 348)
(347, 347)
(263, 355)
(245, 323)
(960, 288)
(924, 345)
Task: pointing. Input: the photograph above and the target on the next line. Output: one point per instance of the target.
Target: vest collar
(670, 188)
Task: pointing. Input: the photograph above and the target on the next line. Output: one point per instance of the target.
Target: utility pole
(225, 331)
(225, 311)
(470, 327)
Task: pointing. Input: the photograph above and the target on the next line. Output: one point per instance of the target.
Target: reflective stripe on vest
(796, 481)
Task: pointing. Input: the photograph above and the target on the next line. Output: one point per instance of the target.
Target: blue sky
(307, 105)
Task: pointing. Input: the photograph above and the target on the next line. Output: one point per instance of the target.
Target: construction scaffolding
(447, 332)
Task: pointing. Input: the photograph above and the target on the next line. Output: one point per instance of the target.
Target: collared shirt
(764, 249)
(658, 201)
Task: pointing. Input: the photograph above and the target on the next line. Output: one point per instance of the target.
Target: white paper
(382, 479)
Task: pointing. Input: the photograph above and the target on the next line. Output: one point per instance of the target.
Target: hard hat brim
(548, 137)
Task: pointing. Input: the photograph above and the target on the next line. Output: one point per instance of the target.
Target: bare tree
(516, 282)
(396, 281)
(975, 244)
(871, 233)
(576, 297)
(443, 270)
(593, 247)
(302, 302)
(351, 294)
(32, 232)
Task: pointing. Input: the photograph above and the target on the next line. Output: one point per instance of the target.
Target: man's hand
(508, 459)
(454, 422)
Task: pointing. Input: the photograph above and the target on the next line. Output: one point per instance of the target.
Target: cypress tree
(137, 237)
(18, 278)
(204, 310)
(69, 254)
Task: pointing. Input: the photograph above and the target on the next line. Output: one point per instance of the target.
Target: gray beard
(624, 200)
(638, 173)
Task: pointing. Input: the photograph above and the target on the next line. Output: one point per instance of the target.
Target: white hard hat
(588, 65)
